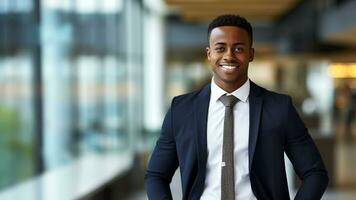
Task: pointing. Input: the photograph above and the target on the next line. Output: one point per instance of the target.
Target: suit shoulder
(188, 98)
(276, 97)
(184, 104)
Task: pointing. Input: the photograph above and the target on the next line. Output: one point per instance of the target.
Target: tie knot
(228, 101)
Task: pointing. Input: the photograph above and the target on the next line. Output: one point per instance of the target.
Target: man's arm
(305, 157)
(163, 163)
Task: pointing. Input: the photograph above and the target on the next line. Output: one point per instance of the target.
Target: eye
(239, 49)
(219, 49)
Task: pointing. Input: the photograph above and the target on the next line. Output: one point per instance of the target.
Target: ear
(208, 53)
(252, 54)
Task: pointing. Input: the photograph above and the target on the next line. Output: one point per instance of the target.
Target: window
(86, 71)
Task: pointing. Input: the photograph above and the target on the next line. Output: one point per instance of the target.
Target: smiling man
(229, 53)
(229, 138)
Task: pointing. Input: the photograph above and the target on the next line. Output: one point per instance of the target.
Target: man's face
(229, 54)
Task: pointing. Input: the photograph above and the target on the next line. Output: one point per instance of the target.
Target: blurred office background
(85, 84)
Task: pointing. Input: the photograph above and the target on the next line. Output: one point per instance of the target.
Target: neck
(230, 87)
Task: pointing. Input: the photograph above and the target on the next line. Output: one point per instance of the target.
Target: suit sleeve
(163, 162)
(305, 157)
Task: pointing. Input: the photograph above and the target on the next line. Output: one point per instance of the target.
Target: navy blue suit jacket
(275, 128)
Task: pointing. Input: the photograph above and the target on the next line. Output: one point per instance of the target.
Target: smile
(229, 68)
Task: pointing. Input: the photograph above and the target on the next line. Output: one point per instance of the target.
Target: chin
(231, 79)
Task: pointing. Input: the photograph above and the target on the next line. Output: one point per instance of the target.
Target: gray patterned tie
(227, 166)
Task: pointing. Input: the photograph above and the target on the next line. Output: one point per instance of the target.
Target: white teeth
(228, 67)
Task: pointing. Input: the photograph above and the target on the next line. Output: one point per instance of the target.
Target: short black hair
(231, 20)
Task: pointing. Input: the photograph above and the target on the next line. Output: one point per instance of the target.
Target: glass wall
(69, 81)
(16, 91)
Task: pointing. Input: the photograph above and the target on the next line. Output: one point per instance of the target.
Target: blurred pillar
(37, 83)
(154, 48)
(57, 119)
(134, 34)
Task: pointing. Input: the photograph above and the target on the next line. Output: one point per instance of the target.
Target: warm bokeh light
(342, 70)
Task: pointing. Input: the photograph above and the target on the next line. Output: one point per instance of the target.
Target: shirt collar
(241, 93)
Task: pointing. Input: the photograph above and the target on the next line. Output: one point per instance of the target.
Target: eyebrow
(223, 43)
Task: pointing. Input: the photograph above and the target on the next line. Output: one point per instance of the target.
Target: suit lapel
(255, 116)
(201, 116)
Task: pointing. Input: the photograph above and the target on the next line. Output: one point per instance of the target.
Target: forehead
(228, 34)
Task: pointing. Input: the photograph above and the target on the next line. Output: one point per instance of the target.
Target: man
(233, 150)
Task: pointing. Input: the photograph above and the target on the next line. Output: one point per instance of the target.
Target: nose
(229, 55)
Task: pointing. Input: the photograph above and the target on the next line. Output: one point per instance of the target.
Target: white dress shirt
(215, 128)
